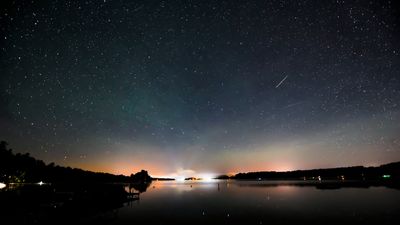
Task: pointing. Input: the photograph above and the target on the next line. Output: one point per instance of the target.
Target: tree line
(23, 168)
(389, 171)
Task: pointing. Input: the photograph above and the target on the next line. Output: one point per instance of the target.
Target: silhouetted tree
(24, 168)
(142, 176)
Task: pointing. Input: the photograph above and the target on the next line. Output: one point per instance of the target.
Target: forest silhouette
(23, 168)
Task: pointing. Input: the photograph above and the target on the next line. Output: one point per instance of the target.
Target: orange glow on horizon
(159, 172)
(121, 168)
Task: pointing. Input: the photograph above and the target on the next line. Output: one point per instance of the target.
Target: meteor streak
(283, 80)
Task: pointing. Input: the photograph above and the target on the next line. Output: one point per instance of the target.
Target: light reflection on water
(255, 202)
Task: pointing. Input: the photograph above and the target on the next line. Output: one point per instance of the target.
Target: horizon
(209, 175)
(215, 174)
(212, 175)
(184, 173)
(201, 88)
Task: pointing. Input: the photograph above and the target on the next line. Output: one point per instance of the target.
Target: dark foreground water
(260, 202)
(200, 202)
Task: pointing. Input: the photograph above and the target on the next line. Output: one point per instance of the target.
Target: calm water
(259, 202)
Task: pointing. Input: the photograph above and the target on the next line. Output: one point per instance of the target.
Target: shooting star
(293, 104)
(138, 8)
(283, 80)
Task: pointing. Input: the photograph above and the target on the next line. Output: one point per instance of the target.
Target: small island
(193, 178)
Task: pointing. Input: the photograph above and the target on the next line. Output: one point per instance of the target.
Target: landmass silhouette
(43, 193)
(384, 172)
(40, 193)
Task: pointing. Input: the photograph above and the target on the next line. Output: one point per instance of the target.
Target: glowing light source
(386, 176)
(41, 183)
(207, 177)
(181, 179)
(2, 185)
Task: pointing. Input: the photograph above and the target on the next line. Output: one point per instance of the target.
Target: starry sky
(185, 88)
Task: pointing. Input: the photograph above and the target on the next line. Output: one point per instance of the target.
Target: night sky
(185, 88)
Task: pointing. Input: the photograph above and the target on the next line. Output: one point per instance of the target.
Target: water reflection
(261, 202)
(201, 202)
(138, 187)
(80, 203)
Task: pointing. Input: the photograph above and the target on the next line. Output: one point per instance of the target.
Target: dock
(133, 196)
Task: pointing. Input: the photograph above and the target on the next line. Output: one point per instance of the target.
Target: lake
(259, 202)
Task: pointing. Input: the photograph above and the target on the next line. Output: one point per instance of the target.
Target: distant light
(386, 176)
(180, 179)
(259, 178)
(319, 178)
(207, 177)
(2, 185)
(41, 183)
